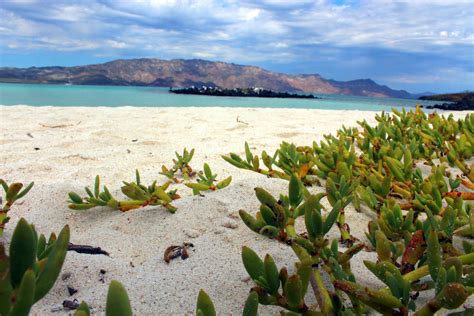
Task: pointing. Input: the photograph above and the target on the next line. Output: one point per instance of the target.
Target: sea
(114, 96)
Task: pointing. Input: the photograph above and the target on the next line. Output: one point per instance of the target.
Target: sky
(415, 45)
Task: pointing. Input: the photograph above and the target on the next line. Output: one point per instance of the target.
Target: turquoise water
(112, 96)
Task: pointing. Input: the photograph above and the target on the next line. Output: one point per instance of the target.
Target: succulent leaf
(46, 279)
(251, 305)
(252, 263)
(204, 305)
(25, 295)
(295, 191)
(118, 303)
(271, 274)
(22, 251)
(434, 254)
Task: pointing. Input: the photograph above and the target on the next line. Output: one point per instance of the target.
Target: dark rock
(70, 304)
(463, 105)
(71, 290)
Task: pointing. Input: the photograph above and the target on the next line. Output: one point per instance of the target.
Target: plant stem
(423, 271)
(320, 292)
(290, 230)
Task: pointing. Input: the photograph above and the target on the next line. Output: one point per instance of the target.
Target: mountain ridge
(193, 72)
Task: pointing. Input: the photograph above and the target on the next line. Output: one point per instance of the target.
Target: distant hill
(195, 72)
(368, 87)
(422, 94)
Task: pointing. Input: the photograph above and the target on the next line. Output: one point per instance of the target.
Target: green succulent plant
(207, 181)
(276, 217)
(30, 269)
(416, 216)
(139, 196)
(288, 160)
(181, 164)
(13, 193)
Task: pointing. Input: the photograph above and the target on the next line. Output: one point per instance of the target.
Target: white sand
(76, 143)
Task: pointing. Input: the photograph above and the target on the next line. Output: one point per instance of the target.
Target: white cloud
(249, 14)
(402, 25)
(280, 45)
(440, 75)
(13, 25)
(71, 13)
(116, 44)
(203, 55)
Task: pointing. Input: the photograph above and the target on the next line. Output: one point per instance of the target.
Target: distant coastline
(116, 96)
(194, 72)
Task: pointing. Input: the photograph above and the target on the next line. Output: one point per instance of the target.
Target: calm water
(62, 95)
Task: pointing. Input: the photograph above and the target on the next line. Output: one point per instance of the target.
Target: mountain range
(193, 72)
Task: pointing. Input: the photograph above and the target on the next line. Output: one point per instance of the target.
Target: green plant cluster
(180, 167)
(207, 181)
(140, 195)
(33, 263)
(376, 169)
(30, 269)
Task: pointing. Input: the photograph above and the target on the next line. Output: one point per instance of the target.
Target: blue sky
(416, 45)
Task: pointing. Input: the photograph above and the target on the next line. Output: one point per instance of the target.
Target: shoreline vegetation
(453, 101)
(241, 92)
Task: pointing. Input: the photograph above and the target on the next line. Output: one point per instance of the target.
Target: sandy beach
(62, 149)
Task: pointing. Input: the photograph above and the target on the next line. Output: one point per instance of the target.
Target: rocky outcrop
(457, 101)
(238, 92)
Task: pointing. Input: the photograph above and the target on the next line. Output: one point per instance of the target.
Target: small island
(457, 101)
(241, 92)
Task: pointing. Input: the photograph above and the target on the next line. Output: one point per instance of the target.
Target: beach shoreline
(62, 149)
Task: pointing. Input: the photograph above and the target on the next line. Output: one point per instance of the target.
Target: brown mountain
(185, 73)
